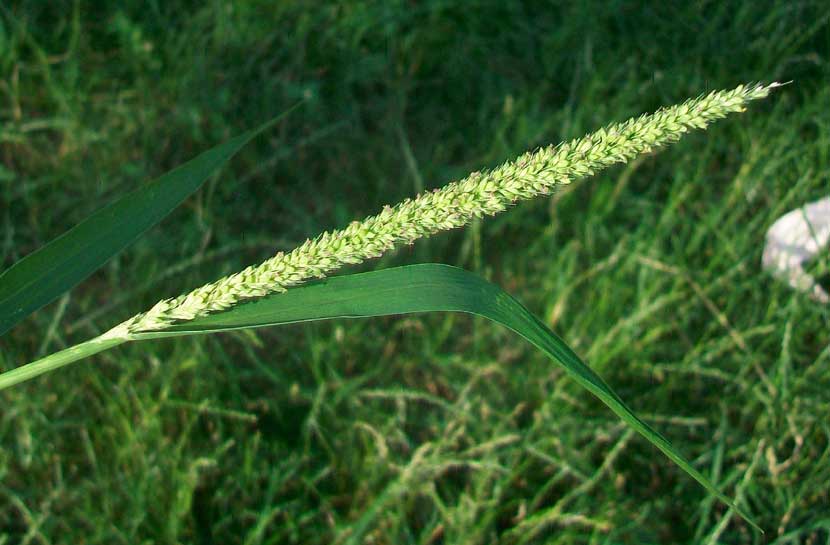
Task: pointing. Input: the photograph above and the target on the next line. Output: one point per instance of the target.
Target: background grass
(432, 429)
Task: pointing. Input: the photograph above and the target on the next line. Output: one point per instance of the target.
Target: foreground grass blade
(429, 288)
(402, 290)
(45, 274)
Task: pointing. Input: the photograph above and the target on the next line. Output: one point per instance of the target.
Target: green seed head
(456, 204)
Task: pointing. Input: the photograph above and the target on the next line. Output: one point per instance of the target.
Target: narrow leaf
(429, 288)
(46, 273)
(402, 290)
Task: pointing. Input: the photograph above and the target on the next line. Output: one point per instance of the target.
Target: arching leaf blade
(430, 288)
(402, 290)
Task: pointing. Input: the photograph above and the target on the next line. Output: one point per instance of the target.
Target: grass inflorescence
(457, 204)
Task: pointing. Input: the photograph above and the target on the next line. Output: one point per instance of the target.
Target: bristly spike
(481, 194)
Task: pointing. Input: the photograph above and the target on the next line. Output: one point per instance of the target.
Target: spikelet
(456, 204)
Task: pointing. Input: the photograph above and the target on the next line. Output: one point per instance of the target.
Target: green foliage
(425, 429)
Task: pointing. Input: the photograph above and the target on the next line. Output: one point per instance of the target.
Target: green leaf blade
(46, 273)
(430, 288)
(402, 290)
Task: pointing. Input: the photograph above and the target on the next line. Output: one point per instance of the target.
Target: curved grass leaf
(46, 273)
(402, 290)
(429, 288)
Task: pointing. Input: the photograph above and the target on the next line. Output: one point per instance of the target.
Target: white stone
(793, 240)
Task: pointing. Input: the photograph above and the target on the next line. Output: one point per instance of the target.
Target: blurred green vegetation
(427, 429)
